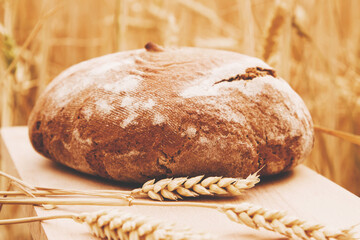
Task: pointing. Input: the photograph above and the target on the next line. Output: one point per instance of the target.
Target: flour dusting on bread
(167, 112)
(124, 84)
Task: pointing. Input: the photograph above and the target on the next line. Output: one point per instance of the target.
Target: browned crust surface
(141, 114)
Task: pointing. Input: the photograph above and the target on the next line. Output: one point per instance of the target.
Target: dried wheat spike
(116, 225)
(277, 221)
(176, 188)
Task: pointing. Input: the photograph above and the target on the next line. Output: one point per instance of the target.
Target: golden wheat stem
(340, 134)
(34, 219)
(95, 193)
(26, 189)
(43, 192)
(23, 189)
(100, 202)
(14, 179)
(29, 193)
(14, 193)
(77, 201)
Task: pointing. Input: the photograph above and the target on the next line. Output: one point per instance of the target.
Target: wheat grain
(278, 221)
(176, 188)
(273, 31)
(116, 224)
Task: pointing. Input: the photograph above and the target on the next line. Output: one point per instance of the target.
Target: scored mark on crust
(250, 73)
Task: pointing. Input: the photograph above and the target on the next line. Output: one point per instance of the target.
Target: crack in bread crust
(250, 73)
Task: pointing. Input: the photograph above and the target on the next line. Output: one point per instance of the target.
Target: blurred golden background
(314, 45)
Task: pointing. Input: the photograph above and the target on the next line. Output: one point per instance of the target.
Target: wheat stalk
(67, 192)
(29, 193)
(34, 192)
(278, 221)
(28, 190)
(246, 213)
(115, 224)
(353, 138)
(14, 179)
(176, 188)
(172, 189)
(25, 188)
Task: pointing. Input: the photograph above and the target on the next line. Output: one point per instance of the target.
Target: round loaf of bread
(153, 113)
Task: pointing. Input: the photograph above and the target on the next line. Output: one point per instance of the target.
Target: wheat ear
(170, 188)
(176, 188)
(115, 224)
(278, 221)
(253, 216)
(120, 225)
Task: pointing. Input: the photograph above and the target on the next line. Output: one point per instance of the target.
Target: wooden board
(301, 192)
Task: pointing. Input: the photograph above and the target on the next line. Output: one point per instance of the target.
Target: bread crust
(155, 112)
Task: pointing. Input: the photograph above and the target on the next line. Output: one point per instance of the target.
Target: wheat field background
(314, 45)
